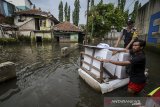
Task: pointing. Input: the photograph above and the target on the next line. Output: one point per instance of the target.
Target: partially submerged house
(67, 32)
(36, 24)
(8, 31)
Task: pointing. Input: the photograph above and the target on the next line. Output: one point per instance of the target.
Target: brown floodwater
(44, 79)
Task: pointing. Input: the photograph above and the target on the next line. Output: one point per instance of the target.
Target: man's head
(130, 24)
(138, 45)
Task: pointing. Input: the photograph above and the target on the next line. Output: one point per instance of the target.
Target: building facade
(67, 32)
(148, 22)
(36, 24)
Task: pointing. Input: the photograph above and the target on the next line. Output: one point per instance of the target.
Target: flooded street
(44, 79)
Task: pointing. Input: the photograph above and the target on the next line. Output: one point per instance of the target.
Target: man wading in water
(136, 66)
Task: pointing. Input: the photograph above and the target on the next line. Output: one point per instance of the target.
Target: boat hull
(102, 87)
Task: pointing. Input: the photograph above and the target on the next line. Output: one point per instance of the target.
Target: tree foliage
(92, 3)
(133, 15)
(103, 16)
(66, 11)
(61, 11)
(69, 12)
(121, 4)
(76, 11)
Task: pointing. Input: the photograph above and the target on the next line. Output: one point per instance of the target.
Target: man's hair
(142, 43)
(130, 22)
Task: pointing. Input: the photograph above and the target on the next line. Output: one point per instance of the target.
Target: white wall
(29, 23)
(25, 33)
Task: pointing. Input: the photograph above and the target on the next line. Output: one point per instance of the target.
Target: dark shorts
(137, 87)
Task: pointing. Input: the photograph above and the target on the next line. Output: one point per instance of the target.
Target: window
(21, 18)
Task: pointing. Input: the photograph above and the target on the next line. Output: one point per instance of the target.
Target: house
(6, 8)
(36, 24)
(148, 22)
(21, 4)
(67, 32)
(7, 29)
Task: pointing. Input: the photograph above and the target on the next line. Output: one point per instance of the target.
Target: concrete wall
(113, 35)
(26, 19)
(48, 25)
(148, 21)
(25, 33)
(74, 37)
(30, 25)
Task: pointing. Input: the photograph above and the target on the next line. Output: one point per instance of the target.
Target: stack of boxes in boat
(101, 53)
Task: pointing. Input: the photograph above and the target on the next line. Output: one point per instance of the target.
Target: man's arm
(130, 43)
(119, 39)
(115, 52)
(121, 63)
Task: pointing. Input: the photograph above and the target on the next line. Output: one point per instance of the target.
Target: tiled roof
(66, 27)
(37, 12)
(32, 12)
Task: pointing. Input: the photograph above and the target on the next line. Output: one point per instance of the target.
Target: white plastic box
(99, 54)
(121, 70)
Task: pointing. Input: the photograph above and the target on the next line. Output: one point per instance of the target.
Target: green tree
(101, 2)
(102, 17)
(135, 11)
(69, 12)
(61, 11)
(140, 5)
(66, 11)
(76, 11)
(121, 4)
(92, 3)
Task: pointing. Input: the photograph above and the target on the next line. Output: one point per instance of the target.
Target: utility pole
(86, 41)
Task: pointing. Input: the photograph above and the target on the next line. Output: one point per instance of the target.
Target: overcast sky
(52, 6)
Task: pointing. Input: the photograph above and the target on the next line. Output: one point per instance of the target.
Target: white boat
(103, 77)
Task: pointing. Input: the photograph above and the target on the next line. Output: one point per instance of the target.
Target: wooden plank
(101, 72)
(91, 66)
(112, 76)
(91, 74)
(90, 56)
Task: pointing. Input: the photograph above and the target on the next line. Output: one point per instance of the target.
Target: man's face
(130, 26)
(136, 47)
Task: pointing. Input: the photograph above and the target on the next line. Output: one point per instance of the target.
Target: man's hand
(114, 52)
(105, 60)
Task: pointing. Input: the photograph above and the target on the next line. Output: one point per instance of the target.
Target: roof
(30, 2)
(66, 27)
(37, 12)
(32, 12)
(8, 27)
